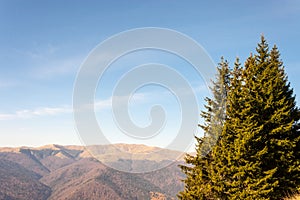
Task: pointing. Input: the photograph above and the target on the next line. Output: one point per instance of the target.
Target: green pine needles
(251, 143)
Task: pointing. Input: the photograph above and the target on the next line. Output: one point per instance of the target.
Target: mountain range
(119, 171)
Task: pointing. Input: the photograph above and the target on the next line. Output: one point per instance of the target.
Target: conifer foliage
(250, 147)
(198, 177)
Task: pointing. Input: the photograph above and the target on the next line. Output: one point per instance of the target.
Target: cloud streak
(27, 114)
(47, 62)
(99, 105)
(57, 68)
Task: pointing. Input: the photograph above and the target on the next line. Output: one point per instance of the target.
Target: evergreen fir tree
(198, 176)
(246, 179)
(221, 171)
(258, 143)
(280, 115)
(257, 153)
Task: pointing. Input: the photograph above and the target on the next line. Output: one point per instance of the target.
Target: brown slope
(127, 185)
(114, 152)
(16, 182)
(41, 160)
(56, 162)
(89, 179)
(168, 179)
(73, 174)
(25, 159)
(90, 190)
(55, 156)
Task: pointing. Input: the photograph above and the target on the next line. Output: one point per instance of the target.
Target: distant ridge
(115, 150)
(71, 172)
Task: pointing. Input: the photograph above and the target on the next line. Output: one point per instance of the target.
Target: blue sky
(43, 44)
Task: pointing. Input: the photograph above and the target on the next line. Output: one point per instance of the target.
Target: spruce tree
(280, 115)
(221, 170)
(259, 140)
(197, 172)
(257, 152)
(245, 178)
(265, 146)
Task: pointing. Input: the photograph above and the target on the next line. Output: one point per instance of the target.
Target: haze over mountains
(70, 172)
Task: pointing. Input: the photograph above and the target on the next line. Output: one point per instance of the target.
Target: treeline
(250, 148)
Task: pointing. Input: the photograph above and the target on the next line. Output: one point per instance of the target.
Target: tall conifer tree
(257, 153)
(198, 176)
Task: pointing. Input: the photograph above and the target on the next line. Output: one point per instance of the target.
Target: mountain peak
(49, 146)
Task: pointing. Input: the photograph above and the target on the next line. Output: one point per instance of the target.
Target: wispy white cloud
(50, 61)
(7, 116)
(102, 104)
(38, 53)
(54, 68)
(99, 105)
(120, 100)
(43, 111)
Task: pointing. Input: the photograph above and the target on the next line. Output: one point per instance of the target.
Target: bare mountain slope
(70, 172)
(17, 182)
